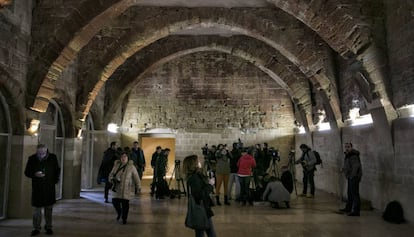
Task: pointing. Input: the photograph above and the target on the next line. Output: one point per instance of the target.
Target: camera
(115, 181)
(274, 153)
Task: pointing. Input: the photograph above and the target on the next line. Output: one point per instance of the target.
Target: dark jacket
(43, 189)
(110, 156)
(137, 155)
(352, 165)
(235, 156)
(200, 190)
(161, 165)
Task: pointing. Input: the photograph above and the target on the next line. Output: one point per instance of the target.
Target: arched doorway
(52, 133)
(88, 162)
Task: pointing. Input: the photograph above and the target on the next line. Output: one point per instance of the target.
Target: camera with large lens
(274, 153)
(115, 181)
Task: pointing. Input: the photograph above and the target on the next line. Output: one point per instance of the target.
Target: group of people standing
(121, 170)
(236, 167)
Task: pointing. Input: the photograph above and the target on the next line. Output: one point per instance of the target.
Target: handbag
(196, 217)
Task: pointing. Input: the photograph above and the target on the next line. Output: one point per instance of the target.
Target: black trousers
(354, 202)
(121, 207)
(108, 186)
(308, 178)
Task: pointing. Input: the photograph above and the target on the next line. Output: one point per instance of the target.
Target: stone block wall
(386, 176)
(400, 41)
(221, 94)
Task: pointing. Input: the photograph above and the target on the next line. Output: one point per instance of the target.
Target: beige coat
(129, 180)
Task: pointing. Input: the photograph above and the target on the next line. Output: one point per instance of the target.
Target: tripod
(274, 171)
(176, 174)
(292, 169)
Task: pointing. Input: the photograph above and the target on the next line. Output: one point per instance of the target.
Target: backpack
(318, 158)
(393, 213)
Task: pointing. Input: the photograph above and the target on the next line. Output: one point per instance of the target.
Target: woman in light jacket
(125, 179)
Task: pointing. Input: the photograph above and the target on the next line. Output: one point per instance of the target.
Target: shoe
(353, 214)
(287, 204)
(35, 232)
(118, 217)
(49, 231)
(310, 196)
(106, 201)
(302, 195)
(344, 210)
(124, 222)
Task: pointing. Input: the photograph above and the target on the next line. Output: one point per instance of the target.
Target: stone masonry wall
(385, 178)
(400, 22)
(15, 24)
(208, 91)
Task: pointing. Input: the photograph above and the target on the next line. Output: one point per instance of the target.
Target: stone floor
(89, 216)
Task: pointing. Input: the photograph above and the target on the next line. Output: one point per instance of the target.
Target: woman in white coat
(125, 180)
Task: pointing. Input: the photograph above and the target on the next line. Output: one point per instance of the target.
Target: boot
(226, 200)
(218, 200)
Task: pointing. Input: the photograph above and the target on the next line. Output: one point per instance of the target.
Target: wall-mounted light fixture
(112, 128)
(33, 126)
(79, 136)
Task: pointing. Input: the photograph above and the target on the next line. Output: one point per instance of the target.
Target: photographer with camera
(124, 178)
(222, 172)
(308, 161)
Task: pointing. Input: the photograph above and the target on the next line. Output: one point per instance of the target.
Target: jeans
(37, 217)
(244, 188)
(210, 232)
(308, 177)
(234, 178)
(354, 202)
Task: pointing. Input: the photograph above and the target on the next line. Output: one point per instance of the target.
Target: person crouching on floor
(275, 192)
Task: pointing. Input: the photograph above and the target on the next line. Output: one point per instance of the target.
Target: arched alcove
(52, 133)
(5, 147)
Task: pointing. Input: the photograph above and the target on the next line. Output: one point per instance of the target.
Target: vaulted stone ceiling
(294, 42)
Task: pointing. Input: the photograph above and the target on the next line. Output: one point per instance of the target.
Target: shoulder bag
(196, 214)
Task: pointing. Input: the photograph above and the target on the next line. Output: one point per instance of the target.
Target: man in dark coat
(43, 168)
(161, 170)
(154, 158)
(110, 156)
(353, 173)
(138, 157)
